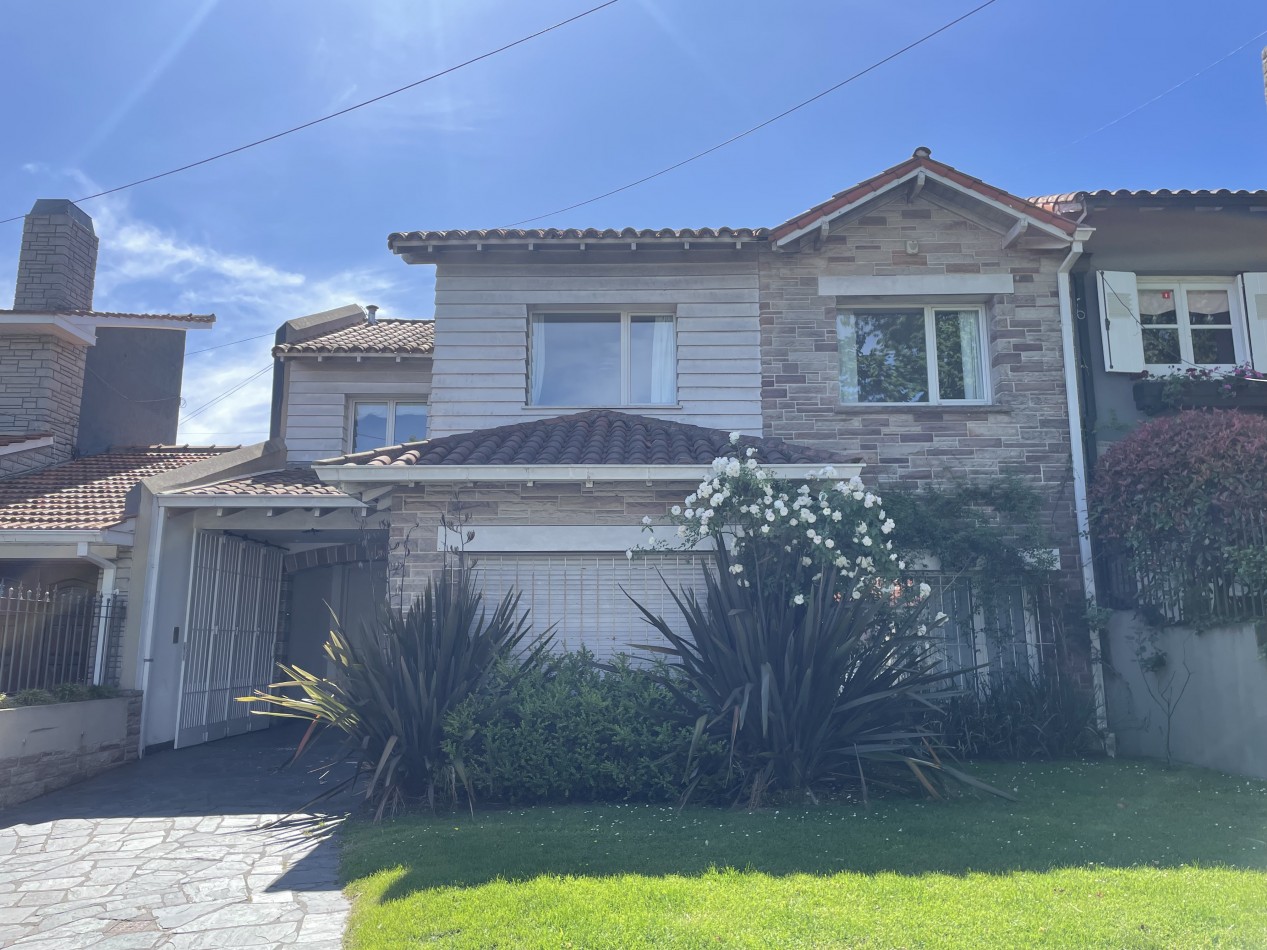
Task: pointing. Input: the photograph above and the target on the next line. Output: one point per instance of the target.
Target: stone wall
(18, 463)
(41, 386)
(43, 748)
(57, 266)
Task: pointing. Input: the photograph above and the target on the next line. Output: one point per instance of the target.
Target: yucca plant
(398, 676)
(812, 692)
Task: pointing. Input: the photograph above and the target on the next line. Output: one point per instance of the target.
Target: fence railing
(50, 637)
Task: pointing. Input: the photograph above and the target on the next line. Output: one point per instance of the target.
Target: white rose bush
(807, 650)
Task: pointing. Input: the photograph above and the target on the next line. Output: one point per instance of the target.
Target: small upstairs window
(376, 423)
(602, 359)
(930, 355)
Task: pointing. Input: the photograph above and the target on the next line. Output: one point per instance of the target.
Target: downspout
(158, 520)
(1064, 291)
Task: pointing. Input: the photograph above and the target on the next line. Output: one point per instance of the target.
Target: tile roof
(920, 160)
(289, 482)
(1056, 202)
(18, 438)
(111, 315)
(398, 337)
(595, 437)
(89, 493)
(576, 234)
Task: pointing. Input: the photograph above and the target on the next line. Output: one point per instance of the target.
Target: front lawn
(1095, 854)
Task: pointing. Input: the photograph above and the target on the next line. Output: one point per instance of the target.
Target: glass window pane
(575, 360)
(369, 426)
(959, 363)
(1213, 346)
(410, 422)
(1209, 308)
(884, 357)
(1161, 345)
(1157, 308)
(652, 361)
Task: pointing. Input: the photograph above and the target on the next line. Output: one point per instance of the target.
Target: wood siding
(315, 411)
(483, 302)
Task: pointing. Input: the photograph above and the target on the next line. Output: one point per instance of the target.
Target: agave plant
(805, 689)
(398, 676)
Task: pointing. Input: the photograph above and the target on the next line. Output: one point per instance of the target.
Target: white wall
(482, 305)
(171, 601)
(315, 411)
(1221, 720)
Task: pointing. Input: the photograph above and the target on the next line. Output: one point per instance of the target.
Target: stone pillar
(58, 262)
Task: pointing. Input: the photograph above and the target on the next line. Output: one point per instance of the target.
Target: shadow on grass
(1070, 814)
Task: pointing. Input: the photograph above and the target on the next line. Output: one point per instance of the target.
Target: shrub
(398, 677)
(61, 693)
(1021, 717)
(1183, 497)
(573, 730)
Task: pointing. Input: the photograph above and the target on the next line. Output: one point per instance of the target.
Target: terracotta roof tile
(289, 482)
(399, 337)
(596, 437)
(575, 234)
(1059, 203)
(91, 492)
(110, 315)
(18, 438)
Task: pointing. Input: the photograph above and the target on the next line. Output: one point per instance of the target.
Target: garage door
(582, 594)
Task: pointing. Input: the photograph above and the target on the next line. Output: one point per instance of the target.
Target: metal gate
(230, 631)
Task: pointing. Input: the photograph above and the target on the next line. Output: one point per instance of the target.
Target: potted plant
(1199, 388)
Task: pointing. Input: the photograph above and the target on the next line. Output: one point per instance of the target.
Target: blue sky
(113, 92)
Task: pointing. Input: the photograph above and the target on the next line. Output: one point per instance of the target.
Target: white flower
(830, 543)
(841, 561)
(806, 562)
(857, 496)
(689, 513)
(901, 565)
(835, 516)
(676, 510)
(857, 595)
(924, 591)
(751, 464)
(681, 531)
(736, 568)
(750, 452)
(941, 617)
(887, 526)
(769, 515)
(717, 499)
(734, 437)
(798, 599)
(703, 529)
(861, 529)
(867, 541)
(765, 529)
(646, 520)
(692, 499)
(733, 468)
(921, 629)
(868, 500)
(629, 554)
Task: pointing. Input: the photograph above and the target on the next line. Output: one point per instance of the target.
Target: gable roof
(919, 163)
(383, 337)
(399, 240)
(89, 493)
(283, 483)
(595, 437)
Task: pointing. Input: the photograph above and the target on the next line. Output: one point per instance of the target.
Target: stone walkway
(170, 853)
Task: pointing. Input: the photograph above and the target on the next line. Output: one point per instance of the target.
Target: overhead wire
(227, 393)
(340, 112)
(761, 125)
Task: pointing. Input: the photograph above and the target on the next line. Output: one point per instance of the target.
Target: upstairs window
(376, 423)
(602, 359)
(929, 355)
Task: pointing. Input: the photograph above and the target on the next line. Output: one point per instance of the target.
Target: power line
(787, 112)
(227, 393)
(1162, 95)
(219, 346)
(335, 115)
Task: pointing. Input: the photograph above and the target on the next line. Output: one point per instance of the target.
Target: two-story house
(917, 327)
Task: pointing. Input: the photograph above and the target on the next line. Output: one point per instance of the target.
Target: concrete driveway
(170, 852)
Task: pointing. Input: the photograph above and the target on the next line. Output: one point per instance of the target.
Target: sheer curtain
(536, 359)
(970, 348)
(847, 343)
(663, 362)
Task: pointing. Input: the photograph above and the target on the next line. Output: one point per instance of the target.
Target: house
(917, 327)
(89, 402)
(1171, 282)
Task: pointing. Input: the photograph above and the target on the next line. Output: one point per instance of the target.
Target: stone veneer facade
(41, 385)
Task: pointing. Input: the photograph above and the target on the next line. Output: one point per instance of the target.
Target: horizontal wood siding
(317, 395)
(482, 307)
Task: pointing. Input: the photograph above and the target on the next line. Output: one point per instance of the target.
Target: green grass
(1095, 854)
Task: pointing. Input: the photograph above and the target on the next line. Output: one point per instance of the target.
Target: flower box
(1154, 396)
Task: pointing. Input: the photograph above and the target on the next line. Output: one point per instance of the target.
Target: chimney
(58, 261)
(371, 314)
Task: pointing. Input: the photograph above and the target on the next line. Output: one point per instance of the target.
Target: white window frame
(391, 403)
(930, 349)
(625, 314)
(1181, 286)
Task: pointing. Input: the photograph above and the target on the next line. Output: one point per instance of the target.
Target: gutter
(1079, 461)
(588, 474)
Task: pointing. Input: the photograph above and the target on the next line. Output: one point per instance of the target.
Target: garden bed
(1095, 853)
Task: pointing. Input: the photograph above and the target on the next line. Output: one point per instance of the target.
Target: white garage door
(582, 594)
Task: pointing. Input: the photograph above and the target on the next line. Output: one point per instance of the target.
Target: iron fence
(51, 637)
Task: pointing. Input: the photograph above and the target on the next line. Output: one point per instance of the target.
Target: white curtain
(847, 343)
(536, 359)
(970, 347)
(663, 362)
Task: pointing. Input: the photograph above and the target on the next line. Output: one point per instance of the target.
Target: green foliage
(572, 730)
(397, 679)
(61, 693)
(1021, 717)
(803, 691)
(1183, 497)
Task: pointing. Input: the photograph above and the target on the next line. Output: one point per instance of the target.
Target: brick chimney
(58, 262)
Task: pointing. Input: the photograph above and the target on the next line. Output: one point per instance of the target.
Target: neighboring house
(89, 402)
(917, 327)
(1172, 281)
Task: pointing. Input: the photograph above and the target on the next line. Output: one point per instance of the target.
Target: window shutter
(1119, 322)
(1253, 290)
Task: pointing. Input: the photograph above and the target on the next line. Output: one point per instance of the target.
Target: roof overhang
(38, 442)
(82, 330)
(180, 500)
(917, 179)
(587, 474)
(116, 534)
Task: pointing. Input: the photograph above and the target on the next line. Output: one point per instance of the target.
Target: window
(1187, 322)
(387, 422)
(602, 359)
(912, 355)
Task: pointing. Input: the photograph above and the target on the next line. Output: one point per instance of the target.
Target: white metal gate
(230, 631)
